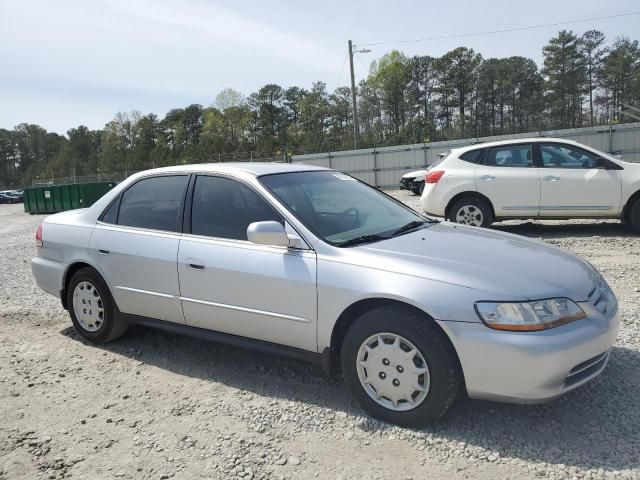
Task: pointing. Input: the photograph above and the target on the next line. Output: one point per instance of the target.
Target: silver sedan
(312, 263)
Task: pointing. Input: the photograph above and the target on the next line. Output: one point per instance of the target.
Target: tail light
(433, 177)
(39, 236)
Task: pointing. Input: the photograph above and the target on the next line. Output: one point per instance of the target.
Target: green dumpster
(58, 198)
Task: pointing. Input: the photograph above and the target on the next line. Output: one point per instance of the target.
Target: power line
(342, 70)
(366, 70)
(506, 30)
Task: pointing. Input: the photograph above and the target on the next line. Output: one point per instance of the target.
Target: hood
(505, 265)
(415, 173)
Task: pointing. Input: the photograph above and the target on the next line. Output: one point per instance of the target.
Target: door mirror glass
(268, 233)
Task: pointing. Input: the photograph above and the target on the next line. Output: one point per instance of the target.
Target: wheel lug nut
(385, 361)
(382, 375)
(396, 382)
(400, 369)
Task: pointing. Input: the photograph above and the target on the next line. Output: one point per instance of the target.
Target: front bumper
(407, 184)
(533, 367)
(48, 274)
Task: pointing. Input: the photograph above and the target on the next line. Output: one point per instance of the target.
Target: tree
(229, 98)
(592, 50)
(620, 77)
(564, 68)
(390, 78)
(461, 68)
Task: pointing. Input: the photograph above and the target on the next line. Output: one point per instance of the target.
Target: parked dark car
(10, 197)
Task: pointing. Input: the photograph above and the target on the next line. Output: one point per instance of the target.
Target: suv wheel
(471, 211)
(634, 215)
(399, 367)
(92, 309)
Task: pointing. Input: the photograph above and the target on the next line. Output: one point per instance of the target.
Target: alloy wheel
(470, 215)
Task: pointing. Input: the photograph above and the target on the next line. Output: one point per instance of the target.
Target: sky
(66, 63)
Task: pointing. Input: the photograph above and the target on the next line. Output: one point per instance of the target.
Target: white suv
(542, 178)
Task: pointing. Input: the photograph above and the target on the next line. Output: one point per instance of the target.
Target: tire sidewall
(634, 216)
(443, 371)
(487, 216)
(104, 333)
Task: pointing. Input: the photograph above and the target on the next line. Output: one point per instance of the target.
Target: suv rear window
(472, 156)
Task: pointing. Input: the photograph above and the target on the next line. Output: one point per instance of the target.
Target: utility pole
(356, 128)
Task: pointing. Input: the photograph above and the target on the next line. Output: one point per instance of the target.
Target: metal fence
(383, 166)
(120, 176)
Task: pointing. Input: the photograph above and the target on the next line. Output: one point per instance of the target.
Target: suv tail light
(433, 177)
(39, 236)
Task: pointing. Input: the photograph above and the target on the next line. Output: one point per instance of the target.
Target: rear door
(576, 182)
(135, 246)
(507, 177)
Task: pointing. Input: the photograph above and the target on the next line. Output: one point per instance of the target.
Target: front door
(575, 182)
(507, 177)
(231, 285)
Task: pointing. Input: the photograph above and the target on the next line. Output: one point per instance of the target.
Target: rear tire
(472, 211)
(634, 216)
(382, 380)
(92, 309)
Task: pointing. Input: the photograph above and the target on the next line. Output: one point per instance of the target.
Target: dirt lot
(156, 406)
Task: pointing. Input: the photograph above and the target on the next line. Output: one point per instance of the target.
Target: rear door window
(153, 203)
(518, 156)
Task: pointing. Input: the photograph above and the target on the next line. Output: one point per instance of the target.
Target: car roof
(512, 141)
(252, 168)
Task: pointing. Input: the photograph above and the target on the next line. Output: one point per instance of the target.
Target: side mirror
(607, 165)
(268, 233)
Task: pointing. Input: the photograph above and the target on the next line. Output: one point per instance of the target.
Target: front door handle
(195, 264)
(488, 178)
(551, 178)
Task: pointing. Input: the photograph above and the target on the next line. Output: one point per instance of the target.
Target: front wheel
(634, 215)
(471, 211)
(400, 367)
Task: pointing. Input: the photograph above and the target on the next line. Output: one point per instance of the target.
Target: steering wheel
(356, 219)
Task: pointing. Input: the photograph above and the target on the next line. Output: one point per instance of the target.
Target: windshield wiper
(362, 239)
(408, 227)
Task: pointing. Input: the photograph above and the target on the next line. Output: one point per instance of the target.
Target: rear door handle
(102, 250)
(551, 178)
(488, 178)
(195, 264)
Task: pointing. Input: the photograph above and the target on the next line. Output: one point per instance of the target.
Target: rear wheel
(400, 367)
(471, 211)
(634, 215)
(92, 309)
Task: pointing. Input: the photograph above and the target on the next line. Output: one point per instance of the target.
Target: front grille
(602, 298)
(586, 369)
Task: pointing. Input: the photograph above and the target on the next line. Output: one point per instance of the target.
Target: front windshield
(339, 209)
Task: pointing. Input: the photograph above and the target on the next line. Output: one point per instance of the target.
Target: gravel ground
(158, 406)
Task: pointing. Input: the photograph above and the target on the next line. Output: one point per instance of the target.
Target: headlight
(529, 316)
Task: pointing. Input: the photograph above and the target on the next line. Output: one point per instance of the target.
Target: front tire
(92, 309)
(634, 215)
(471, 211)
(400, 367)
